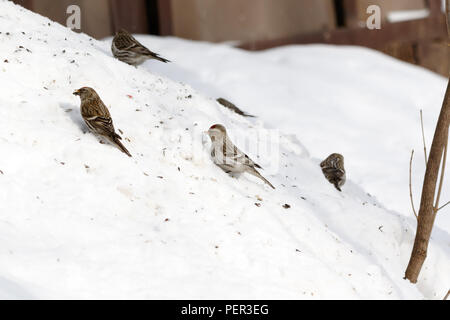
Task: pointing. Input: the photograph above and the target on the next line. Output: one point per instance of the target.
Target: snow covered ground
(351, 100)
(79, 219)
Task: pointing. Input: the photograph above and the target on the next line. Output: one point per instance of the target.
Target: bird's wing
(123, 42)
(333, 172)
(231, 106)
(102, 125)
(245, 159)
(234, 153)
(340, 164)
(140, 49)
(129, 43)
(251, 162)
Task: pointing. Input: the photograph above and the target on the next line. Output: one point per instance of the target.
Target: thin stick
(441, 180)
(444, 205)
(423, 138)
(410, 188)
(427, 212)
(446, 296)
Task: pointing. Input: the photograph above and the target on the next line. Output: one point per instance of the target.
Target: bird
(232, 107)
(127, 49)
(333, 169)
(228, 157)
(97, 116)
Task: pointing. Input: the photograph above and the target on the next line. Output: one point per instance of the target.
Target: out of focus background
(412, 30)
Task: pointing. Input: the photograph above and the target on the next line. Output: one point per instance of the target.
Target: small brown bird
(228, 157)
(97, 116)
(127, 49)
(333, 169)
(232, 107)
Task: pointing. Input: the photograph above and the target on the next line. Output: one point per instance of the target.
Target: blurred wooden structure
(262, 24)
(419, 41)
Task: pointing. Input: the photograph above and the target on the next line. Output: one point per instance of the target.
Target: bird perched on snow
(333, 169)
(232, 107)
(228, 157)
(97, 116)
(127, 49)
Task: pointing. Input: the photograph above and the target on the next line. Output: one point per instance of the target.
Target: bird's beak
(76, 92)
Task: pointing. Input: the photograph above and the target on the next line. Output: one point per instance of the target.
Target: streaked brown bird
(333, 169)
(228, 157)
(127, 49)
(97, 116)
(232, 107)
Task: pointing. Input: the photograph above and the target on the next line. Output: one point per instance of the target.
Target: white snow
(351, 100)
(79, 219)
(406, 15)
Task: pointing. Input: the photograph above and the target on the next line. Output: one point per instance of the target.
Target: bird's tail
(120, 145)
(157, 57)
(336, 185)
(257, 174)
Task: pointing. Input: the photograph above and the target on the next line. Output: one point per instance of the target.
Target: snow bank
(79, 219)
(351, 100)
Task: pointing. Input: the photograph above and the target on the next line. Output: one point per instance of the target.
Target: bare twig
(444, 205)
(423, 138)
(441, 180)
(427, 214)
(427, 209)
(446, 296)
(410, 188)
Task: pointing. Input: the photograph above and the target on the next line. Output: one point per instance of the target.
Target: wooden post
(351, 14)
(130, 15)
(435, 7)
(165, 17)
(447, 9)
